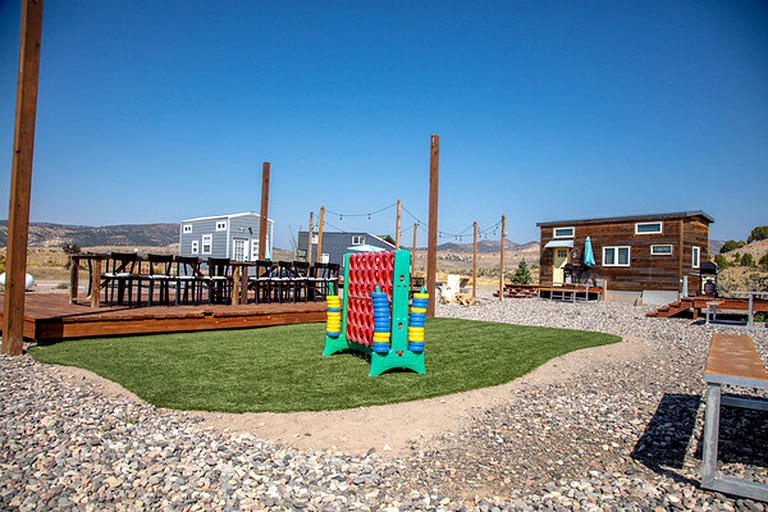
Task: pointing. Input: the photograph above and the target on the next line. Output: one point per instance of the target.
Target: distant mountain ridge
(486, 246)
(45, 234)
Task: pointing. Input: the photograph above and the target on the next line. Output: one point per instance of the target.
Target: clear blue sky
(160, 111)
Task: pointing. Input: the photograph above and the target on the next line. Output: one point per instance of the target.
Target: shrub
(747, 260)
(759, 233)
(722, 262)
(764, 261)
(730, 245)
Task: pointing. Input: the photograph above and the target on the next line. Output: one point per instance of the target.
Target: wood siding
(645, 271)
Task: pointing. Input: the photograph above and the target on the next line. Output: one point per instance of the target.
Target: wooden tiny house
(639, 256)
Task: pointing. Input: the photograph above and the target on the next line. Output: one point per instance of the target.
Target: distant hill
(485, 246)
(44, 234)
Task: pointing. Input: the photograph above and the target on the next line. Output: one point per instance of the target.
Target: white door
(239, 249)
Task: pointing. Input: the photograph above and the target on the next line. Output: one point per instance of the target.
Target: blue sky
(160, 111)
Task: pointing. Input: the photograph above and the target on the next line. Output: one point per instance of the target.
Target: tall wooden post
(680, 251)
(474, 261)
(501, 263)
(397, 224)
(309, 237)
(21, 175)
(413, 249)
(320, 234)
(434, 172)
(264, 212)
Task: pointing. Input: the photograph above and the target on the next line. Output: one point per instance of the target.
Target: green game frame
(398, 356)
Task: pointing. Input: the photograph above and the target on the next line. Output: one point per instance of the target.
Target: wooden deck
(697, 305)
(50, 317)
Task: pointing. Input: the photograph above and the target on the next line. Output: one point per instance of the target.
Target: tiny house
(336, 244)
(234, 236)
(651, 257)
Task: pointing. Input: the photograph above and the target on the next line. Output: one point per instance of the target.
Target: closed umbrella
(589, 257)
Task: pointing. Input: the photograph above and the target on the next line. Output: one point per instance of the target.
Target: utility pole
(264, 212)
(501, 263)
(474, 261)
(320, 224)
(434, 174)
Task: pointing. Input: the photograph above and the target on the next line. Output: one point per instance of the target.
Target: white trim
(195, 247)
(186, 228)
(696, 256)
(228, 216)
(616, 251)
(638, 224)
(555, 235)
(222, 225)
(658, 246)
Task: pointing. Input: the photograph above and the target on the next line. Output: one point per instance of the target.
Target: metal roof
(628, 218)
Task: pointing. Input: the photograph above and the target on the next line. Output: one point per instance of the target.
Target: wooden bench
(732, 360)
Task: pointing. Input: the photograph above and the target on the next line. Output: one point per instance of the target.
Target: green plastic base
(380, 363)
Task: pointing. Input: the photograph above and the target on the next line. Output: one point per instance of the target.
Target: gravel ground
(624, 436)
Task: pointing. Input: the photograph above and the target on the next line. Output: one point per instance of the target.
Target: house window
(696, 259)
(254, 249)
(648, 228)
(315, 239)
(616, 256)
(221, 225)
(239, 249)
(187, 228)
(195, 247)
(325, 258)
(207, 244)
(563, 232)
(661, 250)
(358, 239)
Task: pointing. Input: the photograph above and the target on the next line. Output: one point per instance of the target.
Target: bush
(730, 245)
(759, 233)
(764, 261)
(747, 260)
(722, 262)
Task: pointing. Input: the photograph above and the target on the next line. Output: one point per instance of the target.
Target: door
(239, 249)
(558, 266)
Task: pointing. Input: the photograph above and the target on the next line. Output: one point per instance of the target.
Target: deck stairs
(672, 309)
(519, 291)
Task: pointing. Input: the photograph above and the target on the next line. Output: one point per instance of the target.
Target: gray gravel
(626, 438)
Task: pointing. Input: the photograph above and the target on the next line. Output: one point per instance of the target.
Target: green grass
(282, 369)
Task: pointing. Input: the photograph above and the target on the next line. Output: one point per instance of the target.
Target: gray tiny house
(335, 244)
(234, 236)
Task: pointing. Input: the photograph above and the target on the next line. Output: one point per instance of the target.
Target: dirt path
(391, 429)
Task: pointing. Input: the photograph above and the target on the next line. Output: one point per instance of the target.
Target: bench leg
(711, 435)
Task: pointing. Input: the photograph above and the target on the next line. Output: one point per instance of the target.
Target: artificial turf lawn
(282, 369)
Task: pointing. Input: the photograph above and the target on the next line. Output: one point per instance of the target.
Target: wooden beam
(320, 224)
(501, 262)
(21, 175)
(680, 251)
(397, 224)
(474, 261)
(434, 172)
(309, 237)
(264, 212)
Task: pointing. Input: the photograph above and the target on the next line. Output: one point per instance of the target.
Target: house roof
(631, 218)
(227, 216)
(381, 238)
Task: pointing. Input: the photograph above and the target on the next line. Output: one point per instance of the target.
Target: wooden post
(21, 175)
(434, 172)
(413, 249)
(264, 213)
(680, 249)
(474, 261)
(74, 278)
(501, 262)
(320, 224)
(397, 224)
(309, 237)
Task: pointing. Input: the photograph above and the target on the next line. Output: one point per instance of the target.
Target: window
(315, 239)
(239, 249)
(207, 244)
(187, 228)
(616, 256)
(325, 258)
(661, 250)
(648, 228)
(254, 249)
(563, 232)
(358, 239)
(195, 247)
(221, 225)
(696, 259)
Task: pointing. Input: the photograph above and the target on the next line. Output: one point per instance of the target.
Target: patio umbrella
(365, 248)
(589, 257)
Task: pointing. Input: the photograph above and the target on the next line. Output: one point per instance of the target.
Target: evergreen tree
(522, 274)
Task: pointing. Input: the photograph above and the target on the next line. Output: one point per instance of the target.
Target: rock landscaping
(619, 435)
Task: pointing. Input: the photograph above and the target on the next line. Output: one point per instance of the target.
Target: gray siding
(243, 227)
(335, 244)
